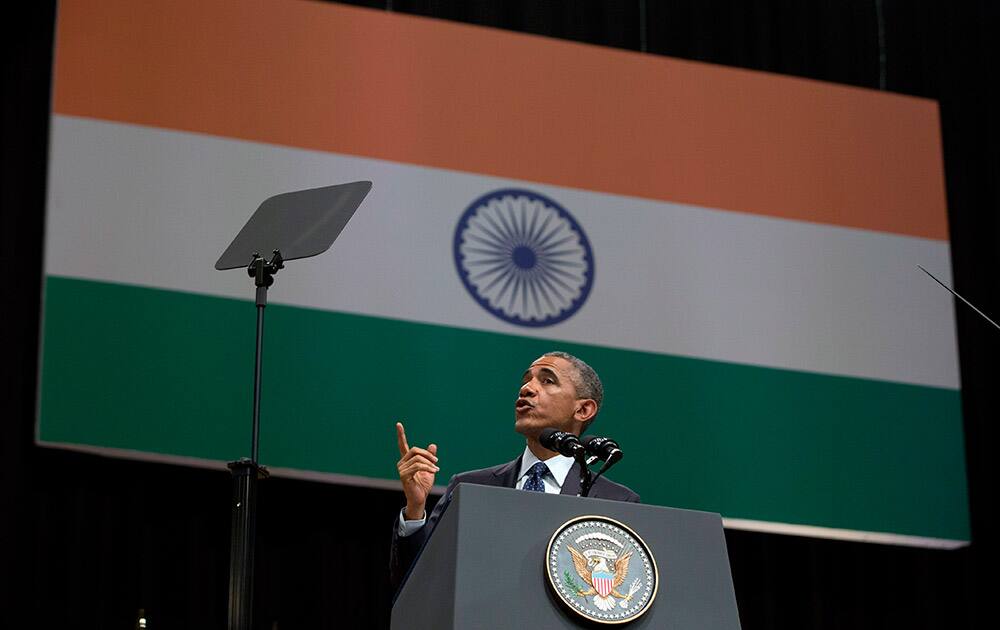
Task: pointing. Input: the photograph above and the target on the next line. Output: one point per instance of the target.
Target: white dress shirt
(553, 480)
(559, 466)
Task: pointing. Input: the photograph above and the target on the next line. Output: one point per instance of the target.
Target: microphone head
(587, 439)
(561, 442)
(603, 448)
(547, 438)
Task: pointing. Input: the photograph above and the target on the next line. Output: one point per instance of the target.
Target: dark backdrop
(87, 541)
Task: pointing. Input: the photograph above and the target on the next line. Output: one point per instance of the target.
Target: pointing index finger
(401, 438)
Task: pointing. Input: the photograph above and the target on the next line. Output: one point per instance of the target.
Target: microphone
(563, 443)
(604, 449)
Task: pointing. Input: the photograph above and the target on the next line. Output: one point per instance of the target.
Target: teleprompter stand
(285, 227)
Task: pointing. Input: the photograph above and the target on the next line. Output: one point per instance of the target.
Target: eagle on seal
(603, 571)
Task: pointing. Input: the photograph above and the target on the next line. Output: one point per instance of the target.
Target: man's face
(548, 398)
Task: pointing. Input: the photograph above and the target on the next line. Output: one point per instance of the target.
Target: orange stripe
(422, 91)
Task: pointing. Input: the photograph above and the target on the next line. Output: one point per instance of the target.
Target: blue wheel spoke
(506, 239)
(524, 293)
(491, 244)
(530, 232)
(513, 290)
(565, 252)
(545, 294)
(489, 271)
(531, 282)
(510, 230)
(498, 241)
(548, 237)
(555, 279)
(515, 228)
(549, 246)
(523, 231)
(553, 271)
(498, 255)
(538, 277)
(563, 263)
(486, 261)
(547, 281)
(510, 276)
(533, 239)
(506, 274)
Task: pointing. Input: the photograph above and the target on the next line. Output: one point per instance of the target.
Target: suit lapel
(571, 485)
(506, 475)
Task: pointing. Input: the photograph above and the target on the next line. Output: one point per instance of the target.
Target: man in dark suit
(558, 390)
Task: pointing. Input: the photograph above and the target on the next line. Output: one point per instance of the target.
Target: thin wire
(960, 297)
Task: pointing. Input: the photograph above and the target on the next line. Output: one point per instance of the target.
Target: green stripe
(169, 372)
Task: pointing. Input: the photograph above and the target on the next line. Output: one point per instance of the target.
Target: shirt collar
(558, 465)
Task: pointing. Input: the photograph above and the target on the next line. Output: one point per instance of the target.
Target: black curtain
(88, 541)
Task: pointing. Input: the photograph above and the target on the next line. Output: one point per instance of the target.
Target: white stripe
(156, 208)
(842, 534)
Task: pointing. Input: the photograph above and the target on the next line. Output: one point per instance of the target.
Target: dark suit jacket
(405, 550)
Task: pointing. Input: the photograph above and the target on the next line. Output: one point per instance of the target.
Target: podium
(484, 565)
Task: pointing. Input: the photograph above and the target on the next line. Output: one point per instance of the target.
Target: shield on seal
(603, 582)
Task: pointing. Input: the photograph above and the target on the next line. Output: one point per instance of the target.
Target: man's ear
(586, 408)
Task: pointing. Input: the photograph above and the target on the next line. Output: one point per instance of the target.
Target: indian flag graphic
(734, 252)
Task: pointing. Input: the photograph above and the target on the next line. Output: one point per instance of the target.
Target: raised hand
(417, 467)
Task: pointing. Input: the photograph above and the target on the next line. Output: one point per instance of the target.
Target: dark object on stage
(287, 226)
(485, 565)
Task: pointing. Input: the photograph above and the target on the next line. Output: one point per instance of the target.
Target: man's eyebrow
(542, 370)
(550, 371)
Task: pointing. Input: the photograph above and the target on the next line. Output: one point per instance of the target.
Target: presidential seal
(601, 570)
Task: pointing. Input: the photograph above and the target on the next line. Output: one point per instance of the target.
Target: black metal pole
(255, 441)
(247, 472)
(241, 546)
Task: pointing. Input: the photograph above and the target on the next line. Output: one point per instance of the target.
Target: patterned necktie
(533, 481)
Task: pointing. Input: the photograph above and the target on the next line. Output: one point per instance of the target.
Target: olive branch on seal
(568, 579)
